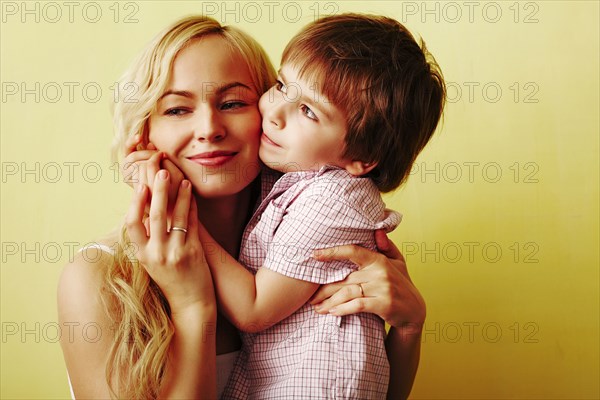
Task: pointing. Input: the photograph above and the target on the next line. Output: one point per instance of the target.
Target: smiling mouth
(213, 158)
(268, 140)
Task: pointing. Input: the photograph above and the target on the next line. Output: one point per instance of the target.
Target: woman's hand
(381, 286)
(171, 253)
(141, 166)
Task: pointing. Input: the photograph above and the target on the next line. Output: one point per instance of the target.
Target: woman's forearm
(191, 369)
(403, 346)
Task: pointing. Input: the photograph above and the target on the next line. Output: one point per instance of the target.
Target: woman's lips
(267, 140)
(213, 158)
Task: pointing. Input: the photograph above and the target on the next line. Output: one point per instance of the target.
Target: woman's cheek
(154, 131)
(257, 124)
(164, 136)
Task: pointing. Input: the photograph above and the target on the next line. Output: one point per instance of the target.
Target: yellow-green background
(520, 324)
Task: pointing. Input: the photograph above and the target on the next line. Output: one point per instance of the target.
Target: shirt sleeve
(314, 222)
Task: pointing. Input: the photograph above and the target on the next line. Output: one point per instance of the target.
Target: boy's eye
(308, 112)
(232, 105)
(176, 111)
(280, 87)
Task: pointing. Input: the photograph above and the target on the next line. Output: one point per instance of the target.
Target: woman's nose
(209, 127)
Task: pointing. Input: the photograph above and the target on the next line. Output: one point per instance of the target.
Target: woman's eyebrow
(183, 93)
(228, 86)
(208, 88)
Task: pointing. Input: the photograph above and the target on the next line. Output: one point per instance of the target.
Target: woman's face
(207, 121)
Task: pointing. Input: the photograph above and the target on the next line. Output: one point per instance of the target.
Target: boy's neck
(225, 218)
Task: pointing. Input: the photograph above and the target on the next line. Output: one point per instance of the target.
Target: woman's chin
(217, 188)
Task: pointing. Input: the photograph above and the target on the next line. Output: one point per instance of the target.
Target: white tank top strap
(71, 387)
(98, 246)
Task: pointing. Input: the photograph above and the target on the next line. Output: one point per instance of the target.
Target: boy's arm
(252, 302)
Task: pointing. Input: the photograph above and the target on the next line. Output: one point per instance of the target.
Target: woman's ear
(359, 168)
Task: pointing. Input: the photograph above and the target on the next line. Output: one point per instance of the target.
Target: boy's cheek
(264, 155)
(263, 102)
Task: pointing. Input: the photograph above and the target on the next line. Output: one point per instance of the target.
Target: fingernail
(318, 306)
(317, 253)
(140, 188)
(332, 310)
(163, 174)
(185, 184)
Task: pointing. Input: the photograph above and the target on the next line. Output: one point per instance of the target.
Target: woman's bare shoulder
(81, 283)
(83, 307)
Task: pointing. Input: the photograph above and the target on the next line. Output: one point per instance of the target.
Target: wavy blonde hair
(143, 329)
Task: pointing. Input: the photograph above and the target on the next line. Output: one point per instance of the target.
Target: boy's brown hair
(391, 90)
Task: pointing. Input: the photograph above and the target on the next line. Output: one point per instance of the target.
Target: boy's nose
(274, 111)
(276, 120)
(209, 127)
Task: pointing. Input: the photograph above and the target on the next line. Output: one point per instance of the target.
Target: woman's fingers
(340, 294)
(357, 305)
(130, 168)
(193, 233)
(360, 256)
(174, 171)
(176, 177)
(386, 246)
(152, 166)
(131, 143)
(158, 208)
(386, 287)
(139, 155)
(326, 291)
(142, 176)
(135, 215)
(179, 224)
(336, 293)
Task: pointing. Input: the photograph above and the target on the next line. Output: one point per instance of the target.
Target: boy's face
(302, 130)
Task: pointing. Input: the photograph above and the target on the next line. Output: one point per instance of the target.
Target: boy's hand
(141, 166)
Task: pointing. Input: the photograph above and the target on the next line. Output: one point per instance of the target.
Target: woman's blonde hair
(143, 330)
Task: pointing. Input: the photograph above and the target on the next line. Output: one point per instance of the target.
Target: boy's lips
(213, 158)
(266, 139)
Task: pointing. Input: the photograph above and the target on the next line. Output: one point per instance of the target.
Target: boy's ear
(359, 168)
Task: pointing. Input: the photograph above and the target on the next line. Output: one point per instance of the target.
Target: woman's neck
(225, 218)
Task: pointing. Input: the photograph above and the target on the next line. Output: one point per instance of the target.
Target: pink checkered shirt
(308, 355)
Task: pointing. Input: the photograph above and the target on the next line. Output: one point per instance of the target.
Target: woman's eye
(176, 111)
(280, 87)
(308, 112)
(232, 105)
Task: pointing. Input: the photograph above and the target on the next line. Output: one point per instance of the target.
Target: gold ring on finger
(362, 292)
